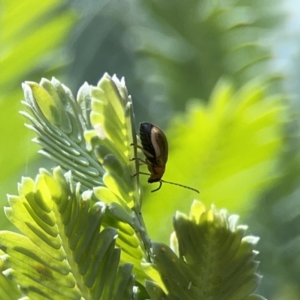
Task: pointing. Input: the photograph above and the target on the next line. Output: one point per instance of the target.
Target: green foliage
(169, 51)
(205, 40)
(60, 124)
(112, 138)
(215, 260)
(228, 149)
(32, 37)
(8, 288)
(279, 228)
(88, 241)
(63, 254)
(19, 36)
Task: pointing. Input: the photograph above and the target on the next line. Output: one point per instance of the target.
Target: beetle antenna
(174, 183)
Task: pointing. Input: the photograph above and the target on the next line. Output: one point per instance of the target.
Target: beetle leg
(142, 173)
(148, 154)
(140, 147)
(139, 159)
(141, 162)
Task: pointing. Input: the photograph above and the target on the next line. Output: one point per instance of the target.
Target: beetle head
(156, 173)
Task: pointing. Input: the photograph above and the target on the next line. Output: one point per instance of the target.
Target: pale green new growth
(92, 137)
(82, 231)
(229, 148)
(60, 125)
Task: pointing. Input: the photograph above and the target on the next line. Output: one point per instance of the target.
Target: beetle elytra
(155, 148)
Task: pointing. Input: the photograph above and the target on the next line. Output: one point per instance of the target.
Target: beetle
(155, 148)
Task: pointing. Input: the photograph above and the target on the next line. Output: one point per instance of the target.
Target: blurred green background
(220, 77)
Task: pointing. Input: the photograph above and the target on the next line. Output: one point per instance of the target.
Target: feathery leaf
(60, 122)
(215, 259)
(63, 254)
(92, 137)
(228, 148)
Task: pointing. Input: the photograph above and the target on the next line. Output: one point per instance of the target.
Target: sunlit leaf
(216, 259)
(59, 122)
(92, 137)
(32, 42)
(63, 254)
(228, 149)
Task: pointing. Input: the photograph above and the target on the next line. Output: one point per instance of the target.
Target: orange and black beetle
(155, 148)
